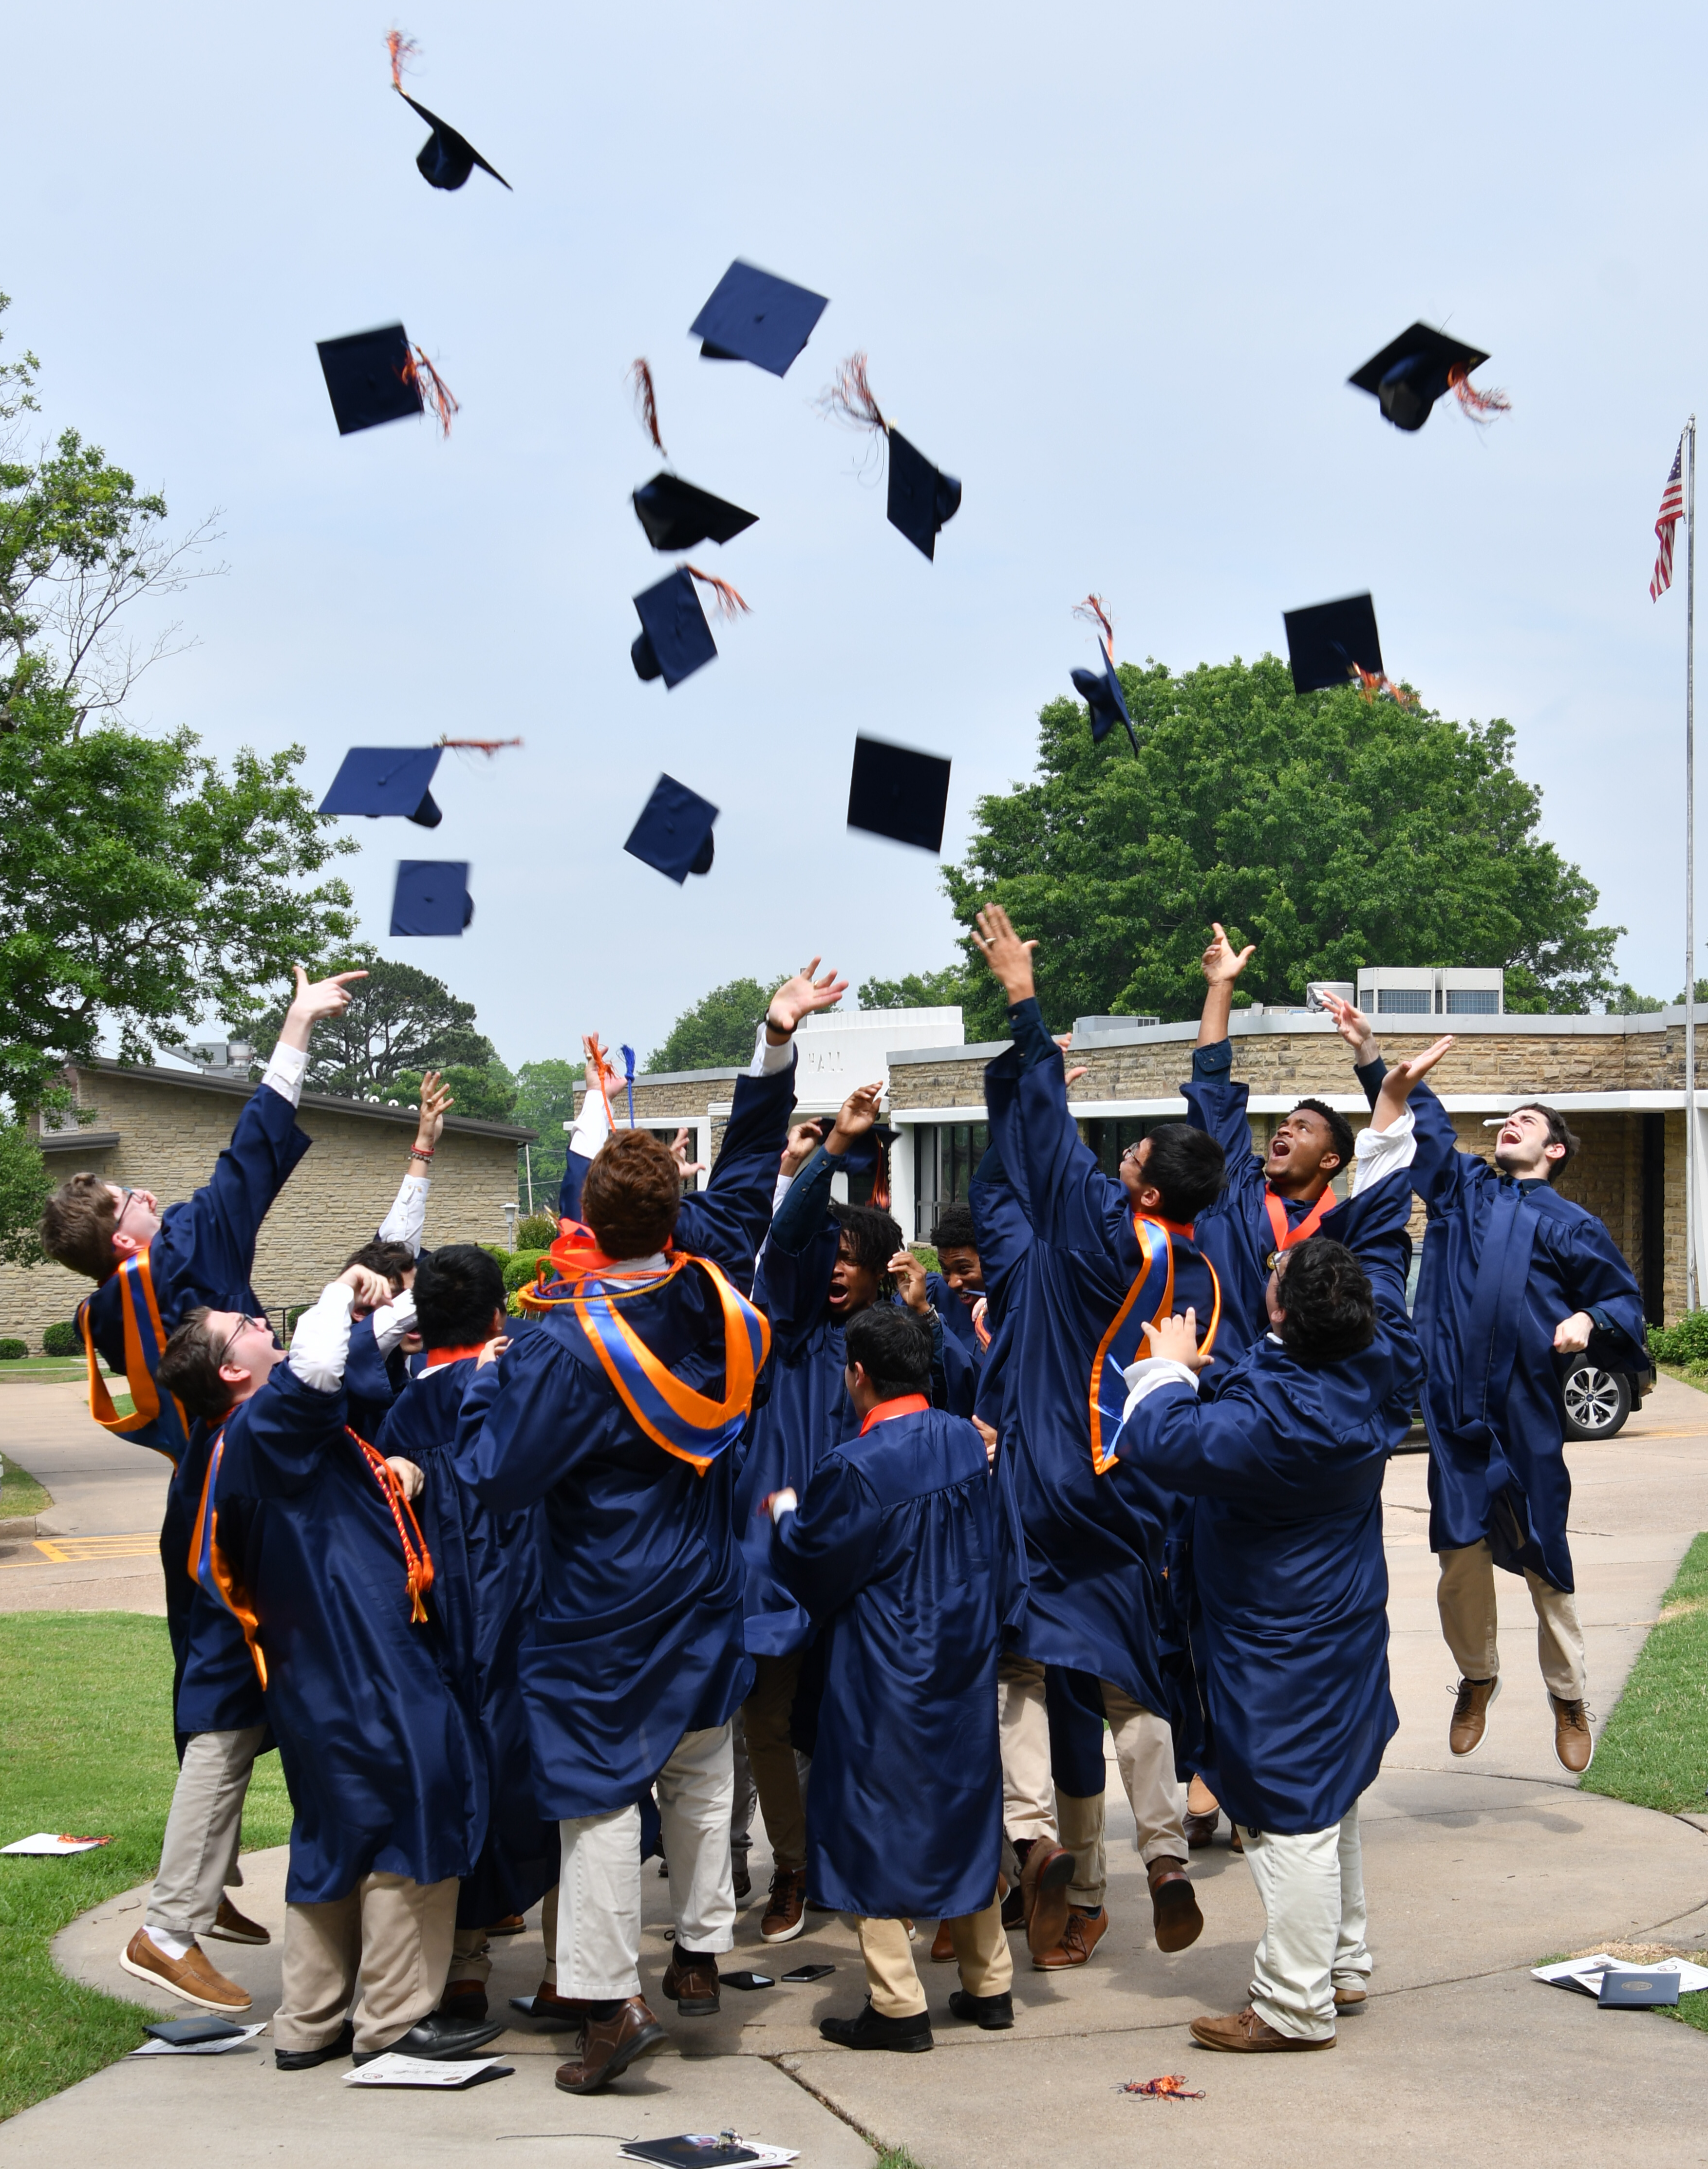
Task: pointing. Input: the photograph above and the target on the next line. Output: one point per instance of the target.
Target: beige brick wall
(170, 1135)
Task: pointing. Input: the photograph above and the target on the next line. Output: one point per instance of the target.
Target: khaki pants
(1467, 1597)
(396, 1933)
(771, 1755)
(982, 1955)
(471, 1958)
(1144, 1753)
(204, 1829)
(1312, 1886)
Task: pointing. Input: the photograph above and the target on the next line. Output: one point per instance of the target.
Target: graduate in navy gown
(311, 1538)
(892, 1549)
(1515, 1280)
(616, 1413)
(485, 1575)
(1283, 1456)
(958, 1283)
(1107, 1257)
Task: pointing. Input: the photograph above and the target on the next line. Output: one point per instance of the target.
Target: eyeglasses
(126, 1194)
(260, 1320)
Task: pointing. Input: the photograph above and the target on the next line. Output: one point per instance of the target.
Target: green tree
(23, 1188)
(1331, 830)
(718, 1032)
(400, 1021)
(1624, 1000)
(487, 1094)
(545, 1101)
(946, 989)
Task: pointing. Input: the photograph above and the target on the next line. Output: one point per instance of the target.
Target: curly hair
(954, 1230)
(632, 1194)
(1328, 1308)
(873, 1237)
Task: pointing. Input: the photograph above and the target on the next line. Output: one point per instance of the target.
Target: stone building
(163, 1130)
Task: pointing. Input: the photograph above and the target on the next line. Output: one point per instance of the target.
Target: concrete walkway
(1476, 1872)
(96, 1548)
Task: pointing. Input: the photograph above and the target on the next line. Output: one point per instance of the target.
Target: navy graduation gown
(217, 1689)
(486, 1584)
(1283, 1462)
(372, 1382)
(1503, 1263)
(894, 1550)
(381, 1746)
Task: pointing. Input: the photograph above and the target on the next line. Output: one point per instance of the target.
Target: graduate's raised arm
(1215, 1103)
(407, 1217)
(1359, 1034)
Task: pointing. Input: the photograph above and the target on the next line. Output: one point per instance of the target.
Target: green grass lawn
(20, 1494)
(50, 1367)
(85, 1747)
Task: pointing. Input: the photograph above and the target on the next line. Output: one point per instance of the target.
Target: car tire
(1596, 1401)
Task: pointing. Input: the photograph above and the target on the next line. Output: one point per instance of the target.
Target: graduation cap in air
(674, 641)
(674, 833)
(678, 516)
(754, 316)
(896, 792)
(378, 377)
(1421, 366)
(445, 160)
(381, 780)
(1333, 643)
(922, 499)
(431, 896)
(1101, 690)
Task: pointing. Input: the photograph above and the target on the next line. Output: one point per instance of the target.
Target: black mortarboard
(1101, 692)
(674, 833)
(753, 317)
(431, 896)
(376, 780)
(675, 640)
(447, 159)
(1324, 642)
(365, 381)
(894, 791)
(1408, 376)
(676, 516)
(922, 499)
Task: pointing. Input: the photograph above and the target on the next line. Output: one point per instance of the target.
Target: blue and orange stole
(1150, 1297)
(695, 1427)
(157, 1421)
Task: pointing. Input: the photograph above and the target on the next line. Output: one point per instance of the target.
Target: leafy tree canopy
(1331, 830)
(918, 990)
(487, 1092)
(23, 1188)
(545, 1101)
(718, 1032)
(400, 1021)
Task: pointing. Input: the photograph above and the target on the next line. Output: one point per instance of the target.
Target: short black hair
(872, 1236)
(893, 1345)
(1328, 1308)
(954, 1230)
(393, 1259)
(1187, 1166)
(1559, 1133)
(456, 1291)
(1339, 1128)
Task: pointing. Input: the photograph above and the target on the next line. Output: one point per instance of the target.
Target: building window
(945, 1155)
(1403, 1001)
(1473, 1001)
(1109, 1136)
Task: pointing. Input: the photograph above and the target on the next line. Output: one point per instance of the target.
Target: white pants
(599, 1904)
(1312, 1886)
(203, 1828)
(1465, 1595)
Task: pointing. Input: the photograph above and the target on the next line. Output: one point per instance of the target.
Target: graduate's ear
(500, 1322)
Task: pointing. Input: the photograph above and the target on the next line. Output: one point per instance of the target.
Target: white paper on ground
(1584, 1974)
(47, 1846)
(393, 2070)
(200, 2047)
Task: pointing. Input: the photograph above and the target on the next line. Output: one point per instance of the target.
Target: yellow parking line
(67, 1551)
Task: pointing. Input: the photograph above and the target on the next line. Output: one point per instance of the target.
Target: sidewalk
(97, 1549)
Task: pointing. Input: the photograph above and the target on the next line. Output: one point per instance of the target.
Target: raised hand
(435, 1102)
(1402, 1080)
(1220, 961)
(315, 999)
(1352, 1023)
(1177, 1338)
(681, 1145)
(1009, 957)
(372, 1290)
(859, 1112)
(804, 1139)
(909, 1277)
(802, 996)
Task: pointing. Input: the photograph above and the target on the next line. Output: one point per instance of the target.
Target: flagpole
(1691, 1144)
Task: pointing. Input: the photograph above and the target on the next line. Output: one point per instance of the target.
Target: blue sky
(1111, 265)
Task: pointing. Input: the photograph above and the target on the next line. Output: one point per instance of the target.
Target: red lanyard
(1286, 1236)
(417, 1565)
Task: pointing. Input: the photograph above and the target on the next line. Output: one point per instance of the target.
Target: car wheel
(1596, 1401)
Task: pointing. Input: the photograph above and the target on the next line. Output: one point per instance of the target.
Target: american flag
(1666, 524)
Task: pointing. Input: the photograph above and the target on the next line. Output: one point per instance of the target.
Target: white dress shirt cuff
(286, 1071)
(407, 1217)
(768, 1059)
(1379, 1153)
(392, 1320)
(592, 1125)
(320, 1346)
(1150, 1371)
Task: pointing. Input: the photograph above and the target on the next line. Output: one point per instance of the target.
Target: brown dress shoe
(1201, 1828)
(1174, 1911)
(464, 1999)
(190, 1977)
(690, 1983)
(511, 1925)
(1235, 1841)
(569, 2010)
(1044, 1891)
(1470, 1720)
(785, 1910)
(942, 1945)
(1083, 1933)
(231, 1927)
(1246, 2032)
(610, 2045)
(1574, 1744)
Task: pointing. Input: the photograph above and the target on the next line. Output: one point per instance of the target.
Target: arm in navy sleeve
(727, 1219)
(205, 1251)
(1600, 1281)
(1370, 1075)
(1440, 1172)
(999, 1227)
(1002, 1112)
(1218, 1107)
(826, 1554)
(803, 1212)
(1075, 1205)
(518, 1439)
(276, 1440)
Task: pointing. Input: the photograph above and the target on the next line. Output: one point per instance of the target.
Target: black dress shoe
(305, 2059)
(871, 2030)
(440, 2039)
(995, 2013)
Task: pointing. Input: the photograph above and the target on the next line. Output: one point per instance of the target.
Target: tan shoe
(1471, 1709)
(1246, 2033)
(610, 2045)
(785, 1911)
(231, 1927)
(1083, 1933)
(1043, 1894)
(1574, 1744)
(1349, 2003)
(1173, 1906)
(942, 1945)
(191, 1976)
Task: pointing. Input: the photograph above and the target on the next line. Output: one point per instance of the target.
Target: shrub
(1686, 1342)
(11, 1350)
(497, 1250)
(536, 1231)
(62, 1339)
(521, 1268)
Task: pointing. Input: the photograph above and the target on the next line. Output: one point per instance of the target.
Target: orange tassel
(1480, 406)
(1095, 611)
(646, 401)
(1372, 682)
(849, 398)
(436, 394)
(728, 602)
(488, 746)
(400, 49)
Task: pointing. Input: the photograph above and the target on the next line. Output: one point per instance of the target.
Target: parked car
(1599, 1394)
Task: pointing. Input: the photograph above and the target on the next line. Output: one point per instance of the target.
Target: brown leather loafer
(1201, 1828)
(231, 1927)
(1469, 1723)
(1247, 2034)
(191, 1977)
(690, 1983)
(1574, 1744)
(942, 1945)
(1083, 1933)
(511, 1925)
(785, 1911)
(610, 2045)
(1235, 1841)
(1174, 1911)
(1044, 1892)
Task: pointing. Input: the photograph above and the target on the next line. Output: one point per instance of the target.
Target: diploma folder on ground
(45, 1845)
(1586, 1976)
(695, 2150)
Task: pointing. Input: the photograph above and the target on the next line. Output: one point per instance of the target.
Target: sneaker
(190, 1977)
(785, 1911)
(1469, 1727)
(231, 1927)
(1574, 1744)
